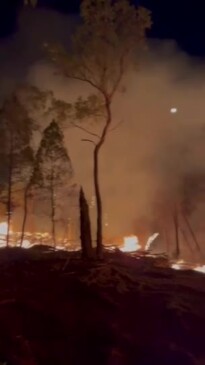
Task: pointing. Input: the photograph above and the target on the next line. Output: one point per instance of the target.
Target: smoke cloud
(152, 149)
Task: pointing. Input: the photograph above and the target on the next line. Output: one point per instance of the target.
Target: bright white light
(173, 110)
(178, 265)
(200, 269)
(4, 228)
(60, 248)
(26, 244)
(131, 244)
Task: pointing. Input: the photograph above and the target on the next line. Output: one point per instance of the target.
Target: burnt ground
(57, 310)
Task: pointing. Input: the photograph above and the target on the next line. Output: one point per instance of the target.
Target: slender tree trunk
(99, 234)
(53, 213)
(192, 233)
(85, 230)
(25, 213)
(9, 200)
(176, 227)
(166, 241)
(187, 241)
(98, 205)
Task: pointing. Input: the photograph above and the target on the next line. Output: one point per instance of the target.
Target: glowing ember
(200, 269)
(131, 244)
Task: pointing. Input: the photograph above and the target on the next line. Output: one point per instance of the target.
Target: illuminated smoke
(161, 122)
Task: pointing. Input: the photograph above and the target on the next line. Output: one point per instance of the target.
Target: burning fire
(3, 233)
(182, 265)
(131, 244)
(26, 244)
(4, 228)
(200, 269)
(30, 239)
(178, 265)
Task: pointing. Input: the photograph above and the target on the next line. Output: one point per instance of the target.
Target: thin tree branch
(121, 72)
(85, 130)
(192, 233)
(84, 79)
(88, 140)
(107, 124)
(103, 75)
(85, 66)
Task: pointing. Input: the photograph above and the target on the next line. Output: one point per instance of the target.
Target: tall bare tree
(104, 47)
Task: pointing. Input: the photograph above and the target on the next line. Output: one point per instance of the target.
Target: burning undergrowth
(129, 246)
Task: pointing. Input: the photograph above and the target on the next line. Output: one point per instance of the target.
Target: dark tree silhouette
(85, 229)
(52, 169)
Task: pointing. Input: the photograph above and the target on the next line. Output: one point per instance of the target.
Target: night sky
(181, 20)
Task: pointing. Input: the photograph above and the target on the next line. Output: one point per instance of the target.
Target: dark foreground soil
(57, 310)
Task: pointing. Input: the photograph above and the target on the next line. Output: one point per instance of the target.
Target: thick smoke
(25, 47)
(151, 151)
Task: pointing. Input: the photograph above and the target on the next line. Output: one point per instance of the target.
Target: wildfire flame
(4, 228)
(131, 244)
(30, 239)
(3, 233)
(200, 269)
(182, 265)
(26, 244)
(177, 265)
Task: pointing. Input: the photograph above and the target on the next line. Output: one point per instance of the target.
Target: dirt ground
(57, 310)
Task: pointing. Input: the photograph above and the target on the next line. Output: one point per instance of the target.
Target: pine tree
(52, 169)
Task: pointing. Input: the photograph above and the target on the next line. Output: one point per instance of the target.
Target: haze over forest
(151, 151)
